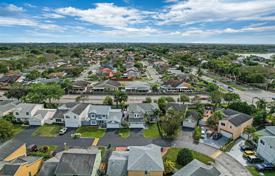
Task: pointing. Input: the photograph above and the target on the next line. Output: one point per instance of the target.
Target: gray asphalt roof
(235, 117)
(197, 168)
(76, 164)
(78, 109)
(117, 164)
(59, 113)
(271, 129)
(270, 140)
(99, 109)
(115, 115)
(142, 107)
(145, 158)
(7, 105)
(107, 82)
(9, 147)
(48, 169)
(9, 169)
(268, 131)
(176, 106)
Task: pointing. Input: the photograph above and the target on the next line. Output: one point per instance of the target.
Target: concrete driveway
(236, 153)
(214, 143)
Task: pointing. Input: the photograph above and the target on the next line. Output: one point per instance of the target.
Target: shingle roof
(176, 106)
(99, 109)
(117, 165)
(197, 168)
(76, 164)
(270, 140)
(145, 158)
(9, 147)
(144, 107)
(25, 107)
(78, 109)
(235, 117)
(48, 169)
(108, 82)
(9, 169)
(115, 115)
(59, 114)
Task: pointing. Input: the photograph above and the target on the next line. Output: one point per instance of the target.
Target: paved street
(228, 165)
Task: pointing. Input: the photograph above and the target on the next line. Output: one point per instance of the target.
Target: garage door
(226, 134)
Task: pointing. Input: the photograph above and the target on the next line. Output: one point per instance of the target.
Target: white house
(7, 106)
(266, 148)
(114, 119)
(76, 115)
(41, 117)
(24, 111)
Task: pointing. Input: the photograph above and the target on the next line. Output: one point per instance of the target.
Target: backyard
(47, 131)
(91, 132)
(172, 154)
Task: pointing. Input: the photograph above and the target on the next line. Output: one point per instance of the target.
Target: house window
(27, 113)
(58, 120)
(74, 117)
(222, 124)
(67, 117)
(230, 126)
(262, 142)
(17, 113)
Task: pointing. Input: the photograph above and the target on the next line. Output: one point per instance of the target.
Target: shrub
(197, 133)
(184, 157)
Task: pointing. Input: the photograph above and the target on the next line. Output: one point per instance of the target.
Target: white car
(63, 131)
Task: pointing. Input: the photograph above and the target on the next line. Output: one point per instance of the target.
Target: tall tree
(231, 97)
(6, 130)
(184, 98)
(120, 97)
(249, 131)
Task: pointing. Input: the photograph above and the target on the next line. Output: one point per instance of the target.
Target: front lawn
(18, 128)
(172, 154)
(124, 132)
(152, 131)
(91, 132)
(254, 172)
(47, 131)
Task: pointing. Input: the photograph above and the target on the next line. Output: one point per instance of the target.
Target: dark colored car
(246, 147)
(254, 159)
(265, 166)
(216, 136)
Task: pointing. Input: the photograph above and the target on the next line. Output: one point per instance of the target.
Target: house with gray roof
(117, 164)
(145, 160)
(24, 111)
(191, 120)
(139, 113)
(197, 168)
(233, 123)
(8, 148)
(267, 131)
(139, 160)
(137, 86)
(114, 119)
(106, 86)
(74, 116)
(41, 117)
(266, 148)
(84, 162)
(7, 107)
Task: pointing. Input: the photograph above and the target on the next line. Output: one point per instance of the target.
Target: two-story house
(24, 111)
(139, 113)
(266, 148)
(98, 115)
(233, 123)
(74, 116)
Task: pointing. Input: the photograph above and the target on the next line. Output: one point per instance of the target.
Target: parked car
(246, 147)
(203, 133)
(32, 148)
(265, 166)
(248, 153)
(216, 136)
(254, 159)
(63, 131)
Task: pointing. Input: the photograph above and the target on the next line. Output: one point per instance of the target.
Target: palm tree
(249, 131)
(261, 104)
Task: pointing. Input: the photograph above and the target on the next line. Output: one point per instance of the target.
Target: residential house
(267, 131)
(80, 87)
(105, 72)
(114, 119)
(14, 160)
(176, 86)
(24, 111)
(177, 106)
(58, 117)
(72, 162)
(75, 115)
(233, 123)
(266, 148)
(139, 160)
(191, 120)
(106, 86)
(197, 168)
(139, 113)
(41, 117)
(7, 107)
(137, 86)
(132, 73)
(97, 115)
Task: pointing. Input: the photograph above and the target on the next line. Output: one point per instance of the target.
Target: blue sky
(169, 21)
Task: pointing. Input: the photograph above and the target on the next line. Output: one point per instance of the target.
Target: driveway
(215, 143)
(26, 137)
(236, 153)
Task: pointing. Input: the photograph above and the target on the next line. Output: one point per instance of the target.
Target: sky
(145, 21)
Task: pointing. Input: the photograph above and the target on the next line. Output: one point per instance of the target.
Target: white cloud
(191, 11)
(53, 15)
(105, 14)
(14, 8)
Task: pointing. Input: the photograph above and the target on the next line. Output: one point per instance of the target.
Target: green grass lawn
(151, 132)
(124, 132)
(47, 131)
(254, 172)
(18, 128)
(45, 155)
(91, 132)
(173, 153)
